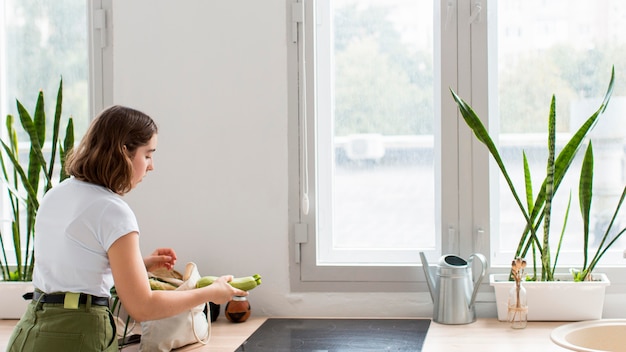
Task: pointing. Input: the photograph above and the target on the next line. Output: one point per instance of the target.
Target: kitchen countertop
(484, 335)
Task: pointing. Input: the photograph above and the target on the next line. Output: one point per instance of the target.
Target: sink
(592, 336)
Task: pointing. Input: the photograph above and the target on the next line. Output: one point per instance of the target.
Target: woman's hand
(223, 291)
(160, 258)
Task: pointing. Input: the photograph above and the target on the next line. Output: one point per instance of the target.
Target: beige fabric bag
(166, 334)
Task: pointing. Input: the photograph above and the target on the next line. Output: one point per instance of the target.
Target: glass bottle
(518, 306)
(237, 310)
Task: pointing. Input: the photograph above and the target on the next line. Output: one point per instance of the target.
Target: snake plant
(26, 181)
(538, 210)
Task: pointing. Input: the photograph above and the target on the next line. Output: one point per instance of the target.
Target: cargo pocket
(58, 341)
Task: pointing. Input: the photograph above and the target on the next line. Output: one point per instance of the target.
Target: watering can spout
(430, 279)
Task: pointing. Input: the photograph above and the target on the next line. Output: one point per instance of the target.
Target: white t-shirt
(76, 224)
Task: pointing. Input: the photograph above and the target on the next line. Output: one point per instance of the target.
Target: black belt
(60, 298)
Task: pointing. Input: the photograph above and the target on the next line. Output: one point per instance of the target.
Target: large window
(42, 42)
(386, 163)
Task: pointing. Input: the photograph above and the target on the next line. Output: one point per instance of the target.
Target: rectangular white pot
(12, 304)
(563, 300)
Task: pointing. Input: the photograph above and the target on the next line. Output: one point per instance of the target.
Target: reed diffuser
(518, 306)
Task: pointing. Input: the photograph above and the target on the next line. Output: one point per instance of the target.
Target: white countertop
(484, 335)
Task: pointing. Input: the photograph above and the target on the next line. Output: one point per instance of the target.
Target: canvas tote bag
(189, 327)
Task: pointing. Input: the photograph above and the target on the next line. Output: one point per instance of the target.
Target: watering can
(452, 289)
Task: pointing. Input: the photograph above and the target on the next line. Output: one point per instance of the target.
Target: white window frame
(100, 17)
(457, 225)
(465, 224)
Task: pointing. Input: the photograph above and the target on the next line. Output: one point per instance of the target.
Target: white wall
(213, 74)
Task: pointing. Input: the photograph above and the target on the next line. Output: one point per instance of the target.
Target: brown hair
(101, 158)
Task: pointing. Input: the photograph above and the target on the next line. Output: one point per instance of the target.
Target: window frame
(461, 52)
(100, 18)
(305, 274)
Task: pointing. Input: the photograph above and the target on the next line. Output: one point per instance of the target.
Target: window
(42, 42)
(386, 163)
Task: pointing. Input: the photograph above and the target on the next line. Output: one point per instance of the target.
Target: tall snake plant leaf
(476, 125)
(34, 161)
(68, 144)
(585, 193)
(529, 185)
(33, 129)
(481, 133)
(546, 273)
(55, 133)
(37, 166)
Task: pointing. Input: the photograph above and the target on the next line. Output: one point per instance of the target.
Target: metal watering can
(452, 289)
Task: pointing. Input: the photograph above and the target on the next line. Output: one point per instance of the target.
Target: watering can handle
(483, 261)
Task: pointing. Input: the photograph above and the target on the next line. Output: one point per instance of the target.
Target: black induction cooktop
(337, 335)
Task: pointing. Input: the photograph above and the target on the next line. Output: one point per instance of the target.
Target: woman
(88, 239)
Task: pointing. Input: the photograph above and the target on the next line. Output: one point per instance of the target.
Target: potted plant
(537, 211)
(25, 182)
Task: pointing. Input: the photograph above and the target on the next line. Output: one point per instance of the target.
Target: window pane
(544, 50)
(42, 41)
(375, 132)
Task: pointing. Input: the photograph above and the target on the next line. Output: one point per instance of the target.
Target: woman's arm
(133, 288)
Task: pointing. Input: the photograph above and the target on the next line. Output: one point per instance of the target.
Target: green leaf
(481, 133)
(55, 133)
(36, 158)
(32, 196)
(585, 192)
(565, 218)
(68, 144)
(529, 184)
(546, 273)
(473, 121)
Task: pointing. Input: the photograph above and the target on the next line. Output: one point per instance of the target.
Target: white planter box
(12, 305)
(563, 300)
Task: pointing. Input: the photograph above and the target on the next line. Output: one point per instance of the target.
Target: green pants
(51, 328)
